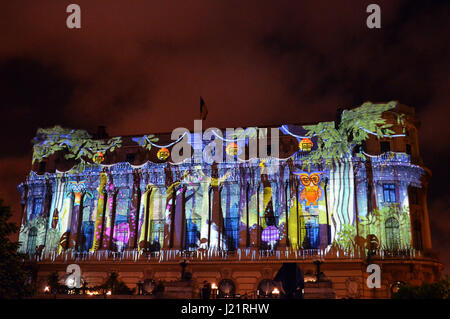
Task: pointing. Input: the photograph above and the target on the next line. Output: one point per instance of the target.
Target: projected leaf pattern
(276, 205)
(335, 144)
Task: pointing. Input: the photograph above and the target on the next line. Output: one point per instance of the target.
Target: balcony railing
(206, 255)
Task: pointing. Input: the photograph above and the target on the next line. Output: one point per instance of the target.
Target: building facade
(124, 205)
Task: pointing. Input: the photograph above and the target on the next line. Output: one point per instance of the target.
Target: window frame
(160, 232)
(234, 232)
(188, 245)
(389, 192)
(392, 231)
(34, 213)
(32, 239)
(311, 232)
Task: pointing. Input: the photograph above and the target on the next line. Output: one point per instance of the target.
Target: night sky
(140, 67)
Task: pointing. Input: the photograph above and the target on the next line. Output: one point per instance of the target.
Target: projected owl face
(310, 180)
(311, 193)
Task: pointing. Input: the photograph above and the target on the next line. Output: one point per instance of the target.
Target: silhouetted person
(140, 285)
(206, 290)
(183, 265)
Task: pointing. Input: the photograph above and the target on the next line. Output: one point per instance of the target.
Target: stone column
(371, 198)
(147, 216)
(101, 203)
(258, 230)
(244, 234)
(113, 219)
(78, 236)
(209, 215)
(47, 206)
(426, 233)
(78, 190)
(178, 218)
(107, 223)
(134, 210)
(169, 210)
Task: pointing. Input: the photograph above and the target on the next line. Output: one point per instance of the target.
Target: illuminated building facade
(130, 210)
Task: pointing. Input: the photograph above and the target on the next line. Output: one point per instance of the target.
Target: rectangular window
(389, 193)
(37, 207)
(157, 231)
(192, 234)
(309, 231)
(231, 233)
(385, 147)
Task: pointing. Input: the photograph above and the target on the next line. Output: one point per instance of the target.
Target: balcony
(216, 255)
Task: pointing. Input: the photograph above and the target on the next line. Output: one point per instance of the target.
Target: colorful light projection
(271, 235)
(306, 145)
(99, 213)
(308, 216)
(223, 207)
(252, 205)
(152, 212)
(98, 158)
(311, 192)
(232, 149)
(79, 145)
(163, 154)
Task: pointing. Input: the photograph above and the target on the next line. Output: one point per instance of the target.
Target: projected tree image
(337, 141)
(327, 193)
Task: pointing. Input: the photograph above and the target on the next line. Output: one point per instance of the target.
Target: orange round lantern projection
(98, 158)
(163, 154)
(305, 145)
(232, 149)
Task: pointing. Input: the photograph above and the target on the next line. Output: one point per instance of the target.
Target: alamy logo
(374, 279)
(374, 19)
(74, 279)
(236, 140)
(73, 20)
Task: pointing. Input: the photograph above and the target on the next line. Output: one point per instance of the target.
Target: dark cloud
(32, 95)
(141, 66)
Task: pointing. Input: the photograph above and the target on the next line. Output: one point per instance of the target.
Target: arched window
(31, 243)
(226, 289)
(265, 288)
(149, 286)
(392, 233)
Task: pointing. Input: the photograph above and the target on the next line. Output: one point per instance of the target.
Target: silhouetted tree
(117, 286)
(53, 283)
(13, 274)
(436, 290)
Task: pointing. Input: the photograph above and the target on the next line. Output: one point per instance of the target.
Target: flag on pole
(203, 109)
